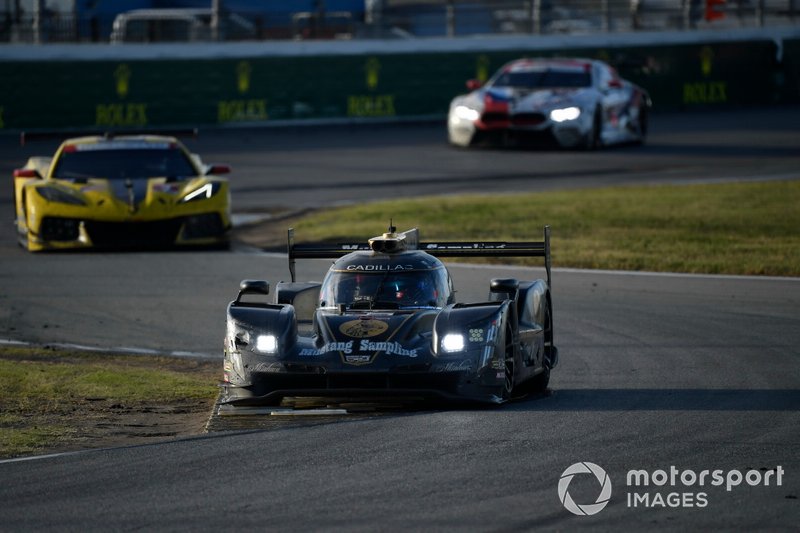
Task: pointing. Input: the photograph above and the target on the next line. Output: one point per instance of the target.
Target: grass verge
(731, 228)
(64, 400)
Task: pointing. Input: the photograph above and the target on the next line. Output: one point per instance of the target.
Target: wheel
(510, 367)
(643, 124)
(23, 240)
(548, 335)
(539, 383)
(593, 138)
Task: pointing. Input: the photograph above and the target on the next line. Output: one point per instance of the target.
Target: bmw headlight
(266, 344)
(453, 342)
(466, 113)
(53, 194)
(564, 114)
(203, 193)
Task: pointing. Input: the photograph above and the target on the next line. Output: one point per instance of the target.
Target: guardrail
(136, 86)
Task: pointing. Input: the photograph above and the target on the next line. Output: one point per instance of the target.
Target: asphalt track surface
(696, 372)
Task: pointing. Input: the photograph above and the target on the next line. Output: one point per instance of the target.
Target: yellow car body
(142, 191)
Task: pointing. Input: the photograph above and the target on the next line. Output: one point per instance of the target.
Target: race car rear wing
(435, 248)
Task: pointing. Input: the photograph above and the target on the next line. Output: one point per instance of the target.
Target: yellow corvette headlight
(203, 193)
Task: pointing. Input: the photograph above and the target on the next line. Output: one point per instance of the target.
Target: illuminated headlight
(453, 342)
(52, 194)
(466, 113)
(568, 113)
(267, 343)
(206, 191)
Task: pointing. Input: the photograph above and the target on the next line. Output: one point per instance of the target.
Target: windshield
(120, 164)
(540, 79)
(387, 290)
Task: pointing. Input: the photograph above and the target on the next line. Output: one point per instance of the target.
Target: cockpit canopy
(389, 285)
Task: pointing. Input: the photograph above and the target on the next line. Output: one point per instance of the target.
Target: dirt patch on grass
(42, 415)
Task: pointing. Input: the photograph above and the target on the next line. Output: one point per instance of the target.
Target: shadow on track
(662, 400)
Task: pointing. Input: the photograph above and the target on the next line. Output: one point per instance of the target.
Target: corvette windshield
(123, 164)
(392, 290)
(542, 79)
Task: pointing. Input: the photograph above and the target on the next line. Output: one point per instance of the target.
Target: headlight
(453, 342)
(567, 113)
(203, 193)
(52, 194)
(466, 113)
(267, 344)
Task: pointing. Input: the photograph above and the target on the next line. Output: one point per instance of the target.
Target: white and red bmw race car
(576, 103)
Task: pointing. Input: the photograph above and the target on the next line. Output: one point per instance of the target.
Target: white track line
(130, 350)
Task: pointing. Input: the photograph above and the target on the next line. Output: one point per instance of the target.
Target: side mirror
(474, 84)
(252, 286)
(218, 169)
(27, 173)
(508, 285)
(615, 84)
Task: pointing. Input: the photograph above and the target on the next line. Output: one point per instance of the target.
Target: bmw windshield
(543, 79)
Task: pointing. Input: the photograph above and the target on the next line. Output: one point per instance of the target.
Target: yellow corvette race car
(121, 191)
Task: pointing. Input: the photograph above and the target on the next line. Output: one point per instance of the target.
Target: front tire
(539, 383)
(643, 124)
(510, 366)
(593, 138)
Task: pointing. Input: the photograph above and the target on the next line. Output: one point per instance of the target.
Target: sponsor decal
(454, 366)
(269, 368)
(389, 348)
(251, 110)
(345, 347)
(707, 91)
(381, 105)
(482, 68)
(476, 335)
(379, 268)
(130, 114)
(361, 355)
(243, 71)
(122, 76)
(362, 328)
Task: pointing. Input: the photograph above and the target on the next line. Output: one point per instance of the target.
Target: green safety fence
(171, 92)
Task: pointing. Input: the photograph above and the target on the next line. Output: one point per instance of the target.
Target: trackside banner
(137, 93)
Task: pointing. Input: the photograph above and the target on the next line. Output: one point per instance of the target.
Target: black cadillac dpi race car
(384, 321)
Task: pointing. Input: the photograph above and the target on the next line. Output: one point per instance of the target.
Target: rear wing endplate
(435, 248)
